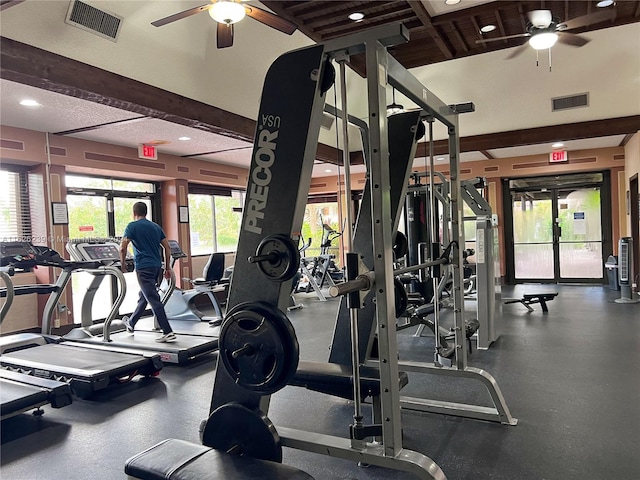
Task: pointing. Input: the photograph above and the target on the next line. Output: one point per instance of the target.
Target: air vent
(572, 101)
(92, 20)
(327, 121)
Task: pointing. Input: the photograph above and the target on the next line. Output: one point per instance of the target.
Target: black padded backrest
(214, 268)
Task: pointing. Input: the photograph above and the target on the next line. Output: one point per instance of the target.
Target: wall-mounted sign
(558, 156)
(148, 152)
(60, 214)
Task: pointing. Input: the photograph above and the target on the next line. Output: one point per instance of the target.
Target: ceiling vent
(99, 22)
(327, 121)
(572, 101)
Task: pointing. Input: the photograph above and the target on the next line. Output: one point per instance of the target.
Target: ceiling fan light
(227, 12)
(544, 40)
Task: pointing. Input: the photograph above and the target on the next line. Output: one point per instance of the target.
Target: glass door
(558, 228)
(533, 235)
(580, 242)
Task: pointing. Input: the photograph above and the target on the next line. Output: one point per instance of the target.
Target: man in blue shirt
(146, 237)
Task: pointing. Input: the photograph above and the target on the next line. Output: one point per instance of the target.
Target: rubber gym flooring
(571, 378)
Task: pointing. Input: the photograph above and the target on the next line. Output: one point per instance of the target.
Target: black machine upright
(259, 351)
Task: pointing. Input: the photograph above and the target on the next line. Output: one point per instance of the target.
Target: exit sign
(558, 156)
(147, 151)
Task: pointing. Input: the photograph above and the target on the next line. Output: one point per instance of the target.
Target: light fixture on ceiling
(394, 107)
(488, 28)
(184, 139)
(544, 40)
(605, 3)
(328, 170)
(27, 102)
(227, 12)
(356, 16)
(557, 145)
(451, 2)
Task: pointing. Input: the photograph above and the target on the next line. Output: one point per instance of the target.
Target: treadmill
(106, 253)
(85, 368)
(20, 392)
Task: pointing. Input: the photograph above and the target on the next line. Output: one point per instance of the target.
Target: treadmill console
(106, 252)
(13, 249)
(176, 250)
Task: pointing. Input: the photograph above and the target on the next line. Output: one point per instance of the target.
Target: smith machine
(259, 352)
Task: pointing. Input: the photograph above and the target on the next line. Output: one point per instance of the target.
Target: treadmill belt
(17, 398)
(74, 360)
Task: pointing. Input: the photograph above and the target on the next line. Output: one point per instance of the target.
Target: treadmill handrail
(6, 278)
(115, 308)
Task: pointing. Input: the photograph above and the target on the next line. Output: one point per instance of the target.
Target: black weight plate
(285, 264)
(258, 347)
(401, 297)
(400, 245)
(238, 430)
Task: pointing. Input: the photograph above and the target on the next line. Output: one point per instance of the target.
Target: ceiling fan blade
(271, 20)
(573, 39)
(518, 51)
(224, 34)
(519, 35)
(583, 21)
(181, 15)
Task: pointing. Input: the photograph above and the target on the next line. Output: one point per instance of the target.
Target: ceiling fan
(544, 30)
(228, 12)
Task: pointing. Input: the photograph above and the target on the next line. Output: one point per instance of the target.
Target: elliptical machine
(183, 304)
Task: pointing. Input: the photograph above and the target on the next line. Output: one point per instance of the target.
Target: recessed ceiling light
(451, 2)
(184, 139)
(328, 170)
(488, 28)
(557, 145)
(439, 159)
(604, 3)
(356, 16)
(27, 102)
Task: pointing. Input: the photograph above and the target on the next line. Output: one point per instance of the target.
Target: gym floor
(570, 377)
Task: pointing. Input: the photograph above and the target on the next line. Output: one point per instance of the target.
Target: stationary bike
(183, 304)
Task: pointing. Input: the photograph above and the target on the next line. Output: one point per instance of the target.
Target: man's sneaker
(127, 324)
(167, 337)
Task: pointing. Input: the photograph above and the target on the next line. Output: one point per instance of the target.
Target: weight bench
(179, 460)
(531, 298)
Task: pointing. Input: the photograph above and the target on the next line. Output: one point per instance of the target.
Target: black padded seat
(179, 460)
(337, 380)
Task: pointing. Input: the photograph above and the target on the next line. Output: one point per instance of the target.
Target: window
(215, 221)
(315, 216)
(15, 221)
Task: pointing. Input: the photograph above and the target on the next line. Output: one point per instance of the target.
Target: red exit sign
(147, 151)
(558, 156)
